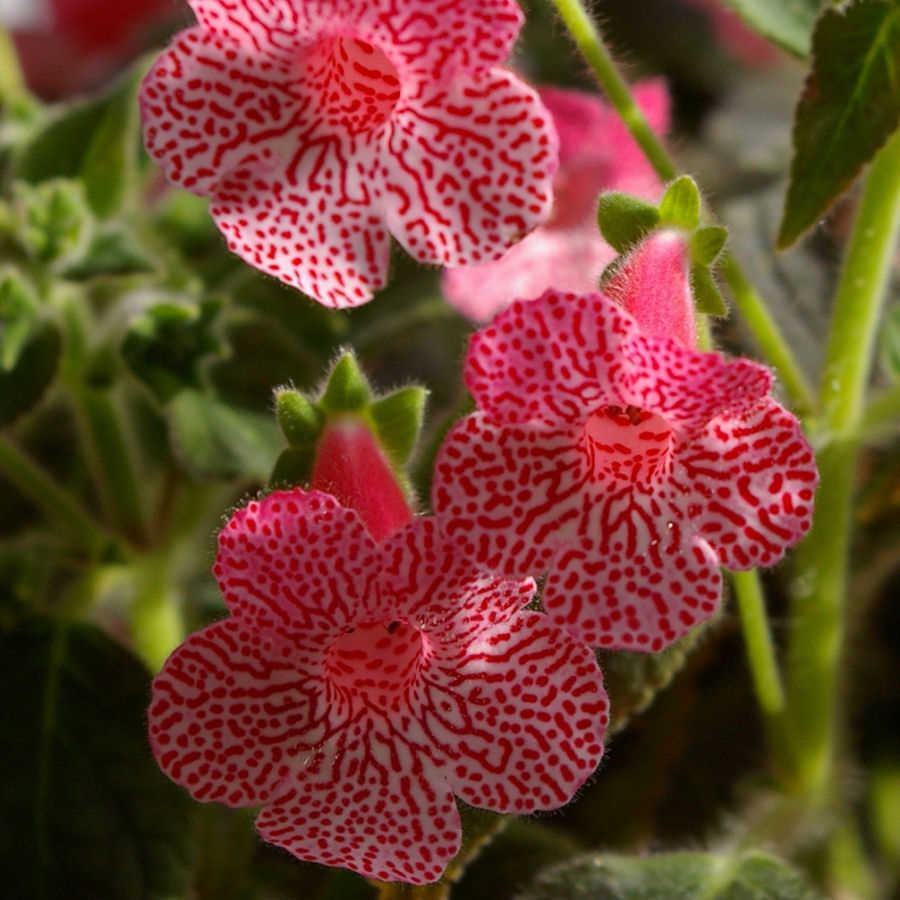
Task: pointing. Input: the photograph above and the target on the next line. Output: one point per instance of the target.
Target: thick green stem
(750, 304)
(821, 561)
(62, 510)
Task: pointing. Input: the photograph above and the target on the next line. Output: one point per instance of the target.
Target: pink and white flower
(319, 129)
(628, 467)
(596, 153)
(356, 687)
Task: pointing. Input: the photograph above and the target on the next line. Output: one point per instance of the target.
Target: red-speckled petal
(468, 168)
(430, 583)
(297, 561)
(639, 584)
(311, 226)
(519, 713)
(749, 482)
(552, 360)
(233, 709)
(571, 259)
(509, 496)
(689, 388)
(372, 808)
(209, 107)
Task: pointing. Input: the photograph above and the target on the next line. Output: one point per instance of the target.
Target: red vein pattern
(626, 467)
(320, 128)
(356, 687)
(596, 153)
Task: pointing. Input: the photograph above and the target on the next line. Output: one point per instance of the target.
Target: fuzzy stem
(751, 305)
(821, 561)
(62, 510)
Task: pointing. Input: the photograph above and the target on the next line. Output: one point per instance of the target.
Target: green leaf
(849, 108)
(788, 23)
(624, 219)
(347, 389)
(398, 419)
(88, 813)
(166, 344)
(707, 244)
(680, 205)
(22, 387)
(707, 296)
(890, 344)
(109, 167)
(113, 251)
(216, 441)
(672, 876)
(300, 421)
(51, 220)
(18, 317)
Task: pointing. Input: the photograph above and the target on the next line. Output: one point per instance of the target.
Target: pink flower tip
(627, 466)
(320, 130)
(357, 687)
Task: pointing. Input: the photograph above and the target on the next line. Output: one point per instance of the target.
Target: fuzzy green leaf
(51, 220)
(672, 876)
(300, 421)
(680, 205)
(707, 296)
(707, 244)
(398, 420)
(347, 389)
(88, 813)
(788, 23)
(624, 219)
(216, 441)
(18, 317)
(849, 108)
(110, 252)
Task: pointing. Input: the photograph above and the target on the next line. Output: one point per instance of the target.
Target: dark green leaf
(347, 389)
(22, 387)
(18, 317)
(165, 345)
(398, 421)
(849, 108)
(88, 813)
(680, 205)
(890, 344)
(217, 441)
(624, 219)
(111, 252)
(786, 22)
(672, 876)
(707, 244)
(707, 296)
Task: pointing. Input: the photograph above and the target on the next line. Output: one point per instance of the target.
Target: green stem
(750, 304)
(62, 510)
(821, 561)
(156, 624)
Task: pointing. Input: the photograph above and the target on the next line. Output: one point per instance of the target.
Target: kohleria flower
(357, 686)
(627, 466)
(320, 128)
(596, 153)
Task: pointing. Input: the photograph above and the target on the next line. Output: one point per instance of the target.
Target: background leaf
(849, 108)
(788, 23)
(84, 811)
(672, 876)
(22, 387)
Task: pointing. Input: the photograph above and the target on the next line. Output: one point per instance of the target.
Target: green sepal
(680, 205)
(708, 298)
(624, 219)
(347, 389)
(301, 422)
(51, 220)
(398, 420)
(293, 467)
(18, 317)
(707, 243)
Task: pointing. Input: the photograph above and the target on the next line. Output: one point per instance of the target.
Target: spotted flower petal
(588, 460)
(357, 686)
(317, 128)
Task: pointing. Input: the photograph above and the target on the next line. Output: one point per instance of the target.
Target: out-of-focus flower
(627, 466)
(356, 687)
(320, 129)
(596, 153)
